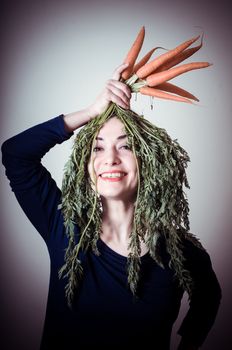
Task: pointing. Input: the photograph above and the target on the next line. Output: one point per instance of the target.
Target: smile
(113, 176)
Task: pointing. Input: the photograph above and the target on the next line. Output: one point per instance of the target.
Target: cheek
(132, 165)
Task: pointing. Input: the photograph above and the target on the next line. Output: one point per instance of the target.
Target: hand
(114, 91)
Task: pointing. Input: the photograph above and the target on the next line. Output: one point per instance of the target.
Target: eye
(97, 149)
(126, 147)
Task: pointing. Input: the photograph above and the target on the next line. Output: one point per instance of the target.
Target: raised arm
(32, 184)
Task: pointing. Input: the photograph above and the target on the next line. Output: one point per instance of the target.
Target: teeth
(113, 175)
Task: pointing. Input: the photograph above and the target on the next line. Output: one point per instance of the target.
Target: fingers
(119, 93)
(114, 91)
(119, 70)
(115, 84)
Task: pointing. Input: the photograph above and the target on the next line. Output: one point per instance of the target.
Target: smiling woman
(117, 232)
(149, 201)
(113, 163)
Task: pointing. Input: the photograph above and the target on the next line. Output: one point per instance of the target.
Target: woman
(124, 274)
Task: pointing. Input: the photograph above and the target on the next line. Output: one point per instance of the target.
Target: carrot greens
(161, 208)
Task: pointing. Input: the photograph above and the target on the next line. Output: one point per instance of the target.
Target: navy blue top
(104, 312)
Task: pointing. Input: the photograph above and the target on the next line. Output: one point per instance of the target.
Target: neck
(117, 220)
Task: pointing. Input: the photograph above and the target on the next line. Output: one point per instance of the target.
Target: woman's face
(112, 163)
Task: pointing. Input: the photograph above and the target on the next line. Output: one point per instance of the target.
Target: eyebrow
(121, 137)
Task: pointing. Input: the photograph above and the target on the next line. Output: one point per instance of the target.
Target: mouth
(113, 176)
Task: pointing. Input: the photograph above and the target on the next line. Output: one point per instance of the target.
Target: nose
(111, 158)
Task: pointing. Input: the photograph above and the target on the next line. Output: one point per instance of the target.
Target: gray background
(56, 56)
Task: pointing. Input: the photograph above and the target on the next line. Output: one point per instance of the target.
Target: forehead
(112, 129)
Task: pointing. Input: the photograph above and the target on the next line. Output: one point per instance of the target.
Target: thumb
(117, 73)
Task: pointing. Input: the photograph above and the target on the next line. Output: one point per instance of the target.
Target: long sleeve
(205, 299)
(34, 188)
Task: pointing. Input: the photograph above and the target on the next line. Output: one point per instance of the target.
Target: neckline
(105, 248)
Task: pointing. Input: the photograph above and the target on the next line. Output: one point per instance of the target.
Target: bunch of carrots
(151, 78)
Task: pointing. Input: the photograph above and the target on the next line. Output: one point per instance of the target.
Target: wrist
(75, 120)
(92, 112)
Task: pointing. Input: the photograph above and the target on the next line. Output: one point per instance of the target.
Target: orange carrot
(180, 57)
(133, 53)
(145, 59)
(161, 94)
(150, 67)
(168, 87)
(161, 77)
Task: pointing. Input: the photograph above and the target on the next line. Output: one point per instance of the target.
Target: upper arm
(34, 188)
(38, 195)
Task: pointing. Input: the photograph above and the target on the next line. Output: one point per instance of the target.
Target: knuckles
(116, 88)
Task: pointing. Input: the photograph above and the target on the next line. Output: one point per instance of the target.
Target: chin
(111, 195)
(117, 192)
(120, 196)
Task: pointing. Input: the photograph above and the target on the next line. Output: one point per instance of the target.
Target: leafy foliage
(161, 208)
